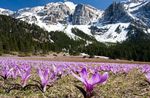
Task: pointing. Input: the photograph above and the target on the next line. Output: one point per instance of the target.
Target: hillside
(16, 35)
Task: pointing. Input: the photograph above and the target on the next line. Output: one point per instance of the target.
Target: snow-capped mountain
(114, 25)
(6, 12)
(111, 25)
(61, 17)
(59, 13)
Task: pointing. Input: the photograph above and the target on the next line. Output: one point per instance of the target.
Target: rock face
(63, 13)
(85, 14)
(116, 12)
(52, 13)
(143, 13)
(120, 18)
(55, 13)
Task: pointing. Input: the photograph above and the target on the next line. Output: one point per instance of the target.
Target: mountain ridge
(110, 25)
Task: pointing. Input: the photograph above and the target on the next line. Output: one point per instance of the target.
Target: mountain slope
(61, 16)
(111, 25)
(118, 18)
(17, 35)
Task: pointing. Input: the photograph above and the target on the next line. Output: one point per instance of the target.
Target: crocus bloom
(147, 75)
(44, 76)
(57, 70)
(25, 75)
(6, 71)
(89, 83)
(15, 71)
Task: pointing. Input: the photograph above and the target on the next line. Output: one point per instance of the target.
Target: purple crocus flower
(6, 71)
(15, 71)
(25, 75)
(147, 75)
(44, 76)
(89, 83)
(57, 70)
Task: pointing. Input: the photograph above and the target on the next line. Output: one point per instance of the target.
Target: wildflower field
(52, 79)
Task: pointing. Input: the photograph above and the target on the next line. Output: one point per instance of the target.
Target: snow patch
(111, 35)
(71, 5)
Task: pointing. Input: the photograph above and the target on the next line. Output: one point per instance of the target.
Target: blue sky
(17, 4)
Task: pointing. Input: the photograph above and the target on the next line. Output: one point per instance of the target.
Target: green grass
(131, 85)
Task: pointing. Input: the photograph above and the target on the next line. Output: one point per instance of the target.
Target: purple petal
(148, 76)
(46, 72)
(104, 77)
(24, 81)
(44, 76)
(54, 68)
(94, 79)
(84, 74)
(40, 74)
(79, 78)
(89, 88)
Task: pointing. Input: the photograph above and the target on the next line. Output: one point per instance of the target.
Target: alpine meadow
(75, 49)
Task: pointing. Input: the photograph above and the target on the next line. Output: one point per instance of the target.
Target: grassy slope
(79, 59)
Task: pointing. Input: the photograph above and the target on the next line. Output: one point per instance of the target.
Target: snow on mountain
(116, 20)
(59, 16)
(133, 6)
(112, 32)
(64, 13)
(5, 12)
(143, 13)
(110, 25)
(71, 6)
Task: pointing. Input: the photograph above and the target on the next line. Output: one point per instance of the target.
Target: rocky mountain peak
(85, 14)
(55, 13)
(60, 12)
(115, 13)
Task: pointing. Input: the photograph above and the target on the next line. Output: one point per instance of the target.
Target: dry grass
(77, 59)
(131, 85)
